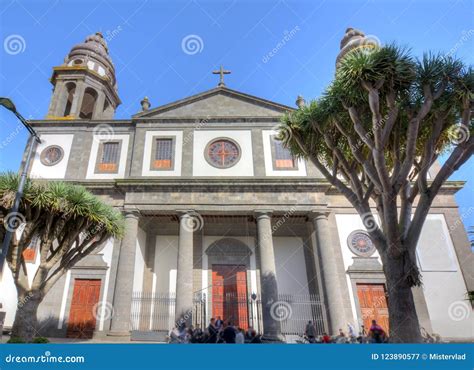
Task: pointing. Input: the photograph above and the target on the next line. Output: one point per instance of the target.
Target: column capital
(263, 213)
(315, 214)
(131, 213)
(186, 212)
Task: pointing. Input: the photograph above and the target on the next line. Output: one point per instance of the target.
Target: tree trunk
(25, 324)
(403, 319)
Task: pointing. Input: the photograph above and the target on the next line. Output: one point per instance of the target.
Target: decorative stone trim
(215, 140)
(154, 144)
(228, 247)
(45, 151)
(98, 165)
(356, 240)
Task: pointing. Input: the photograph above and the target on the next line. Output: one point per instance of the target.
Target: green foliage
(470, 296)
(37, 340)
(62, 199)
(396, 74)
(15, 340)
(391, 65)
(40, 340)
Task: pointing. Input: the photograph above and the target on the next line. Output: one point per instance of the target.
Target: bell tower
(84, 85)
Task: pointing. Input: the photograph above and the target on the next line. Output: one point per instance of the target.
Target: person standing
(254, 338)
(310, 331)
(212, 330)
(240, 337)
(229, 333)
(376, 333)
(219, 323)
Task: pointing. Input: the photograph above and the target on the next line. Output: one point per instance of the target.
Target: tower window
(281, 156)
(88, 103)
(108, 157)
(163, 154)
(71, 89)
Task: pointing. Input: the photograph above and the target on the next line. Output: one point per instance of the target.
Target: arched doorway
(229, 260)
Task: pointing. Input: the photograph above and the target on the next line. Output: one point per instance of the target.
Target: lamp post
(8, 104)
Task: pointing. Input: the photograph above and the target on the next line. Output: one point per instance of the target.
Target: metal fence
(156, 312)
(152, 311)
(295, 310)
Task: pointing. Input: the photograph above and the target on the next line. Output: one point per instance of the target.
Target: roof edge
(211, 92)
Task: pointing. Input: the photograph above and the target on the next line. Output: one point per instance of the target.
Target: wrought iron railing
(156, 312)
(152, 311)
(296, 310)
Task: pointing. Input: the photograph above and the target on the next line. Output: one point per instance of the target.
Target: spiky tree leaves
(374, 134)
(65, 222)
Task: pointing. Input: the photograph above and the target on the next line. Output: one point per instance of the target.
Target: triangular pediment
(218, 102)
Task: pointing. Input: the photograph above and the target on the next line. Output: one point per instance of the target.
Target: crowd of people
(376, 334)
(218, 331)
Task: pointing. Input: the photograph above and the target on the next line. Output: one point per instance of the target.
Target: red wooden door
(82, 317)
(229, 294)
(373, 305)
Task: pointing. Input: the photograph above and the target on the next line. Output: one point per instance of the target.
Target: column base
(119, 334)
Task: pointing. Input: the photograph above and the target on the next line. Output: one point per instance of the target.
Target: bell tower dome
(84, 85)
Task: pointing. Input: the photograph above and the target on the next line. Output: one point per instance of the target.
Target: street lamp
(8, 104)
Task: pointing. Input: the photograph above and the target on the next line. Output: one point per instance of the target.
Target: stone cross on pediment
(221, 72)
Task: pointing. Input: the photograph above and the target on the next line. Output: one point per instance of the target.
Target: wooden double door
(82, 315)
(229, 294)
(373, 305)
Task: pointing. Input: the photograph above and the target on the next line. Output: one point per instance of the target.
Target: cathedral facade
(220, 220)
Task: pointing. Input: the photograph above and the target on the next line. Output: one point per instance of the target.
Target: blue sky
(146, 44)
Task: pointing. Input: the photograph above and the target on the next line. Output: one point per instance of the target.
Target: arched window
(71, 89)
(88, 103)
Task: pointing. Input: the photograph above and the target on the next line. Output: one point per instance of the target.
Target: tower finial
(145, 103)
(79, 96)
(300, 102)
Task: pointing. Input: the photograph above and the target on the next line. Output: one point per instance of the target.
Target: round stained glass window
(360, 244)
(51, 155)
(222, 153)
